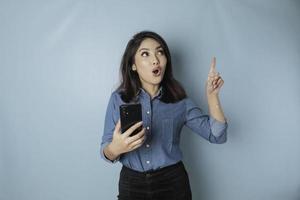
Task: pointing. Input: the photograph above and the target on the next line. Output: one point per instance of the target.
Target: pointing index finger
(213, 66)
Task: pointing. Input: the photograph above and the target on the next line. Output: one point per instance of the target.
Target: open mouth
(156, 71)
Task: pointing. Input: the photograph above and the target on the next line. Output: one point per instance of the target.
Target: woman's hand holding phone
(123, 142)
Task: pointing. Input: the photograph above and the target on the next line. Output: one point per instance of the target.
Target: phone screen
(129, 115)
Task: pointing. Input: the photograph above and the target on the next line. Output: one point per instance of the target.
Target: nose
(155, 61)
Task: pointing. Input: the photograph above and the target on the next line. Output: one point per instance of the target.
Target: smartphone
(130, 114)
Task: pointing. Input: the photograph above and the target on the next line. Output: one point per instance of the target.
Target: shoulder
(179, 106)
(115, 97)
(190, 104)
(181, 103)
(115, 94)
(186, 100)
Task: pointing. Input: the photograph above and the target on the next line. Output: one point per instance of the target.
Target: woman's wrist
(213, 100)
(215, 108)
(111, 152)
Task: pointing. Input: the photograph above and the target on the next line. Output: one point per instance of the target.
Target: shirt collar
(158, 94)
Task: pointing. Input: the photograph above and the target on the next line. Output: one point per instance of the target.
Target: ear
(133, 67)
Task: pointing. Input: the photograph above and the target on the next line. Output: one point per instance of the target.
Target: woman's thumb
(118, 127)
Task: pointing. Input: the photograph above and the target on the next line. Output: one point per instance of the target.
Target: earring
(133, 68)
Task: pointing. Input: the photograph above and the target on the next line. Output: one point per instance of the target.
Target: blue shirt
(163, 123)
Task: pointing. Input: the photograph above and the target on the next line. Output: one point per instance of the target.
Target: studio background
(59, 63)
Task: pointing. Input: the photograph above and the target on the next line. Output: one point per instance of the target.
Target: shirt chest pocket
(167, 134)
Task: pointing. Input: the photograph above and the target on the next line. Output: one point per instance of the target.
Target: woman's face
(150, 62)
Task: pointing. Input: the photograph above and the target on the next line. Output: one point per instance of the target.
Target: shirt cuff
(104, 157)
(218, 128)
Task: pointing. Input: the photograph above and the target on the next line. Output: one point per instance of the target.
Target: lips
(156, 71)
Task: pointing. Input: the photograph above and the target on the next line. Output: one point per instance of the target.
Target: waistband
(153, 172)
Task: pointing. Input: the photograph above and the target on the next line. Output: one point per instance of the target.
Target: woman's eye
(145, 54)
(161, 52)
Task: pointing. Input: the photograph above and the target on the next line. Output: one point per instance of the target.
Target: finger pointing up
(213, 66)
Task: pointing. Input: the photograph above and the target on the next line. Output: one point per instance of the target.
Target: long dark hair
(130, 82)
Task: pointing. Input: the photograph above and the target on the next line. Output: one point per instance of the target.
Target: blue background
(59, 63)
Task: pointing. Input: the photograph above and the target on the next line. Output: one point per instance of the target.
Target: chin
(156, 82)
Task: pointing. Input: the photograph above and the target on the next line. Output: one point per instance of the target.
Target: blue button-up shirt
(163, 123)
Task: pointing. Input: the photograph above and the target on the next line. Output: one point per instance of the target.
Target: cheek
(142, 67)
(145, 63)
(164, 64)
(142, 63)
(163, 61)
(142, 71)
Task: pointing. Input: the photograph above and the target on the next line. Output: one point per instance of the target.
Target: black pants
(169, 183)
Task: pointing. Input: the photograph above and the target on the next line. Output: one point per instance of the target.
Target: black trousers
(169, 183)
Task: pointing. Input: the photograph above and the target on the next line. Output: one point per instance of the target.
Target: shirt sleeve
(205, 125)
(109, 126)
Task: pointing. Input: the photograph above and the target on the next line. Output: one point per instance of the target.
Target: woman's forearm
(110, 152)
(215, 108)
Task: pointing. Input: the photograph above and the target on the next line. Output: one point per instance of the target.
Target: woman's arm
(122, 143)
(215, 108)
(110, 153)
(213, 86)
(204, 125)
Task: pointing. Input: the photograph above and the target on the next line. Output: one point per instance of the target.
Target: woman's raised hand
(214, 80)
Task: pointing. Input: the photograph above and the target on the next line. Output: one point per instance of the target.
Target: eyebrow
(148, 49)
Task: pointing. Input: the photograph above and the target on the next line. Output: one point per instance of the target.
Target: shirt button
(148, 127)
(148, 112)
(147, 161)
(147, 145)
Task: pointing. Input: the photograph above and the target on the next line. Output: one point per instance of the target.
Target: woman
(152, 166)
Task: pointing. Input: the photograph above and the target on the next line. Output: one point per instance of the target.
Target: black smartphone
(130, 114)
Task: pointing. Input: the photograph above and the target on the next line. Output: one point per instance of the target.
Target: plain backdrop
(59, 63)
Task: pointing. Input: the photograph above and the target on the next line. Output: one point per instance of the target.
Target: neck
(151, 89)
